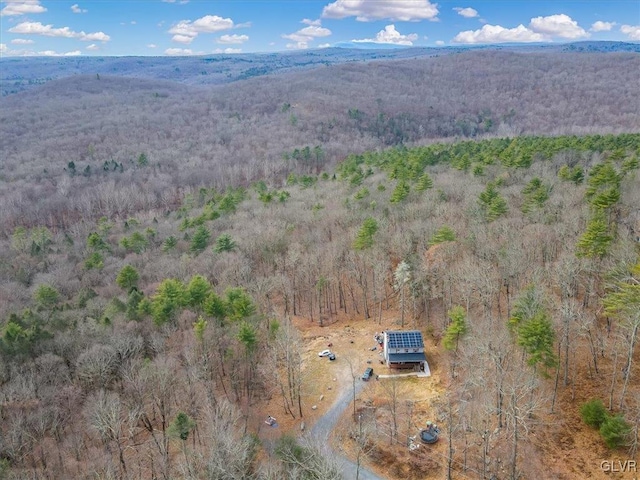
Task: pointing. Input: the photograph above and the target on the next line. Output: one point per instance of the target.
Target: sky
(197, 27)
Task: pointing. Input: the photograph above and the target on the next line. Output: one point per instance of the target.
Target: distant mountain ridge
(22, 73)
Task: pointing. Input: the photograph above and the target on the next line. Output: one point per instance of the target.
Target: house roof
(408, 339)
(407, 357)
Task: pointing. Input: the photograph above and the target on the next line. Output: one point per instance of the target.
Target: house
(404, 349)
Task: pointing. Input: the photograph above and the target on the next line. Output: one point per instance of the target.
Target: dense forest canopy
(159, 242)
(238, 133)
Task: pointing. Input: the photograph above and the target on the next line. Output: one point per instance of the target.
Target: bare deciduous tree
(113, 423)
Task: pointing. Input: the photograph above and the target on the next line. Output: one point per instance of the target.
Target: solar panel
(412, 339)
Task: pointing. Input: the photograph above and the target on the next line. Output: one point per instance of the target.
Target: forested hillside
(18, 74)
(77, 141)
(160, 242)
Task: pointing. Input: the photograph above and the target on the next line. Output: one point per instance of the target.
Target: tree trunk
(594, 353)
(555, 387)
(614, 375)
(627, 371)
(514, 451)
(450, 440)
(485, 452)
(402, 306)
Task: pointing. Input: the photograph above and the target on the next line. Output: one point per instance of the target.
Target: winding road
(325, 424)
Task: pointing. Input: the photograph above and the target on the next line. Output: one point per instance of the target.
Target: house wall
(405, 366)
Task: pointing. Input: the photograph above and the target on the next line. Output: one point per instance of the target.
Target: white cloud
(22, 7)
(467, 12)
(306, 21)
(186, 39)
(22, 41)
(206, 24)
(367, 10)
(152, 45)
(498, 34)
(557, 26)
(541, 29)
(324, 45)
(52, 53)
(37, 28)
(97, 36)
(93, 47)
(228, 50)
(307, 34)
(632, 31)
(178, 51)
(233, 39)
(602, 26)
(439, 43)
(76, 9)
(298, 45)
(391, 35)
(6, 51)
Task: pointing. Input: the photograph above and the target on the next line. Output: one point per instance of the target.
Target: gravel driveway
(325, 424)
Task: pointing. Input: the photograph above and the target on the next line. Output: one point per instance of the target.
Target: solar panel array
(405, 339)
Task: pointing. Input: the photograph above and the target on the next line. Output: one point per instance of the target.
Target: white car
(324, 353)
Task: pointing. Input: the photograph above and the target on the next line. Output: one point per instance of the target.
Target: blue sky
(194, 27)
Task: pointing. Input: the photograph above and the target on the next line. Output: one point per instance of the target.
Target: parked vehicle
(368, 373)
(332, 356)
(324, 353)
